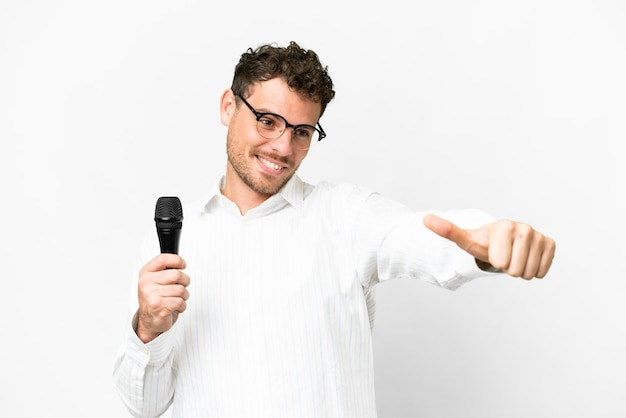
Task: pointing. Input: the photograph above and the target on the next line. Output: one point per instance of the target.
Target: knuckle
(516, 272)
(507, 226)
(523, 231)
(180, 291)
(161, 259)
(154, 304)
(164, 313)
(550, 246)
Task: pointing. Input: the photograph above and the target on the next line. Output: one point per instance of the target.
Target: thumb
(450, 231)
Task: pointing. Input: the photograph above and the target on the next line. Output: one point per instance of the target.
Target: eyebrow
(265, 110)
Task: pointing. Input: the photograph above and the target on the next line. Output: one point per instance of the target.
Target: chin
(270, 187)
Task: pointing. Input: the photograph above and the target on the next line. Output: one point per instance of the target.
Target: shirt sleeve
(144, 374)
(392, 242)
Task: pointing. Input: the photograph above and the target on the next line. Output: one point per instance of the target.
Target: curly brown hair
(300, 68)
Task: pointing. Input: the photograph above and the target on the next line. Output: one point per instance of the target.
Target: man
(282, 273)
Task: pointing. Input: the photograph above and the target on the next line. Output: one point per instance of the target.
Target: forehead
(276, 96)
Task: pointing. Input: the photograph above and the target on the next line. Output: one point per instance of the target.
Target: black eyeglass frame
(259, 115)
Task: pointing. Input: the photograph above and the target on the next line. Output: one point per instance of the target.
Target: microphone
(168, 216)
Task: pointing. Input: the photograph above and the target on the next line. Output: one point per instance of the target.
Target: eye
(268, 122)
(303, 133)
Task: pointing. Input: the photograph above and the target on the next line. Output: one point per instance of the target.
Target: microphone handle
(169, 239)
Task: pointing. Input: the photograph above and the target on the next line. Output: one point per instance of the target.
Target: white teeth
(270, 164)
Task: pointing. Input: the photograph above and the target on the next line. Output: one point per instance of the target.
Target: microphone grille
(168, 212)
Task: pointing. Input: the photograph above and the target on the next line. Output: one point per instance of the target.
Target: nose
(282, 145)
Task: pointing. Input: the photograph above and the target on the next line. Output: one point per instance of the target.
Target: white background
(515, 107)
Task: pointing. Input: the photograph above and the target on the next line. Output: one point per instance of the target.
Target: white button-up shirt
(278, 323)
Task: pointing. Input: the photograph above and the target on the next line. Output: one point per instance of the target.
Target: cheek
(246, 133)
(239, 127)
(243, 140)
(299, 156)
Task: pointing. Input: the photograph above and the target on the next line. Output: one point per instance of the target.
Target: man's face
(255, 164)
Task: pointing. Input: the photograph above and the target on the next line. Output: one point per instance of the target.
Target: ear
(228, 105)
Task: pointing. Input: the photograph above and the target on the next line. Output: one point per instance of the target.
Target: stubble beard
(259, 183)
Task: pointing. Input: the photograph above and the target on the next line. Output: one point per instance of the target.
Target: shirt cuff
(153, 353)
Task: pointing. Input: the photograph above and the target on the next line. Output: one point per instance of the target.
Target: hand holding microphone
(162, 283)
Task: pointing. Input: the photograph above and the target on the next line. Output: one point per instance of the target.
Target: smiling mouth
(269, 164)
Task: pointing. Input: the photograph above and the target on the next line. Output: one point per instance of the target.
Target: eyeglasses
(272, 126)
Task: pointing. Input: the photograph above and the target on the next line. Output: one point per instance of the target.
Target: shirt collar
(292, 193)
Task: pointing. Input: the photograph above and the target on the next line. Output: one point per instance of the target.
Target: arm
(395, 242)
(143, 372)
(392, 242)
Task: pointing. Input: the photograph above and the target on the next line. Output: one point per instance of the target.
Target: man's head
(272, 86)
(301, 69)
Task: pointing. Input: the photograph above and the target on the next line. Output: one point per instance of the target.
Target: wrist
(145, 335)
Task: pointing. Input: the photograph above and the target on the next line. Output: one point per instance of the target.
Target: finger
(525, 253)
(163, 303)
(501, 236)
(172, 276)
(158, 279)
(532, 265)
(546, 257)
(540, 248)
(175, 291)
(183, 279)
(180, 307)
(164, 261)
(164, 317)
(172, 305)
(448, 230)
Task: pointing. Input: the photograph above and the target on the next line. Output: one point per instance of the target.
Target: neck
(240, 193)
